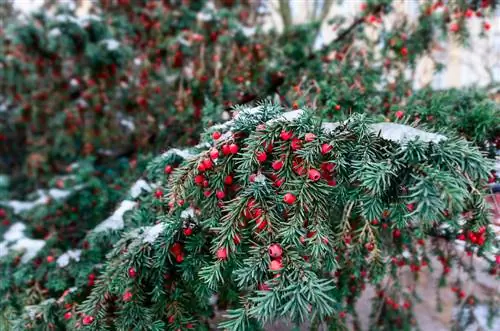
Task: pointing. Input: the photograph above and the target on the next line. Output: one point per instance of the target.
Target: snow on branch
(115, 221)
(72, 254)
(15, 239)
(44, 196)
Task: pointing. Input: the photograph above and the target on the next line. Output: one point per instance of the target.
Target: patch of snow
(111, 44)
(260, 178)
(21, 206)
(402, 133)
(15, 232)
(74, 82)
(55, 32)
(4, 249)
(72, 254)
(137, 61)
(31, 247)
(328, 127)
(115, 221)
(184, 153)
(44, 196)
(138, 187)
(129, 124)
(188, 213)
(225, 116)
(64, 18)
(213, 299)
(61, 194)
(248, 31)
(248, 111)
(205, 16)
(151, 233)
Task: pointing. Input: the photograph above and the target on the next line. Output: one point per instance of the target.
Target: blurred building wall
(478, 64)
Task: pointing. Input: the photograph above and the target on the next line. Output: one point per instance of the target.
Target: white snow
(248, 111)
(188, 213)
(402, 133)
(17, 240)
(15, 232)
(184, 153)
(31, 248)
(138, 187)
(111, 44)
(115, 221)
(44, 197)
(151, 233)
(129, 124)
(3, 248)
(72, 254)
(62, 18)
(248, 31)
(55, 32)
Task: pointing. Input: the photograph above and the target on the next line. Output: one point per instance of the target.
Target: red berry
(396, 233)
(337, 107)
(275, 251)
(342, 314)
(168, 169)
(50, 259)
(469, 13)
(461, 236)
(497, 259)
(277, 165)
(278, 182)
(410, 207)
(310, 137)
(454, 27)
(221, 253)
(487, 26)
(188, 232)
(285, 135)
(201, 167)
(326, 148)
(399, 114)
(220, 195)
(158, 194)
(127, 296)
(228, 180)
(87, 320)
(208, 164)
(261, 223)
(276, 265)
(2, 213)
(216, 135)
(314, 175)
(207, 193)
(68, 315)
(261, 156)
(296, 144)
(132, 273)
(369, 246)
(214, 154)
(233, 148)
(263, 287)
(226, 150)
(198, 179)
(289, 198)
(176, 248)
(404, 51)
(179, 258)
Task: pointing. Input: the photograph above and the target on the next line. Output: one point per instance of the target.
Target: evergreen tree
(262, 211)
